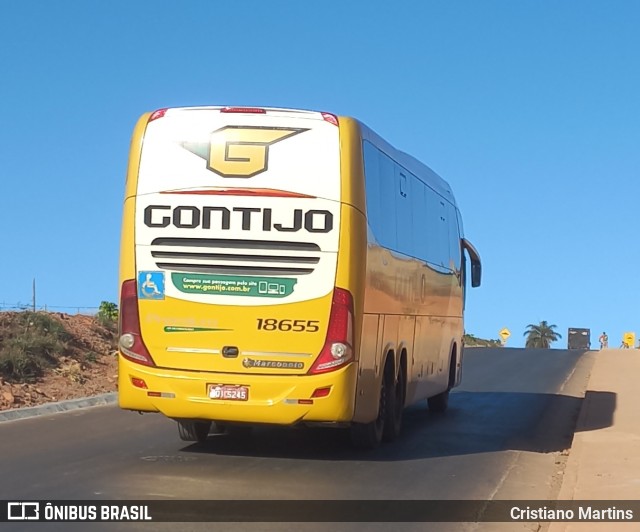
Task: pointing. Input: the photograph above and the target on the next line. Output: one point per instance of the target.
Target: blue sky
(530, 109)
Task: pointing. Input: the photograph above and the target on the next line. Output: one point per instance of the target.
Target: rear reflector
(138, 383)
(321, 392)
(166, 395)
(250, 110)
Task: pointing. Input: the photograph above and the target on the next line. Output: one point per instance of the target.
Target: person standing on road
(604, 340)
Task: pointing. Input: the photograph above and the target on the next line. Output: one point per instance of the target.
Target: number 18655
(272, 324)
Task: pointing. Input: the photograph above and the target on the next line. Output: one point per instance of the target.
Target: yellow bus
(285, 267)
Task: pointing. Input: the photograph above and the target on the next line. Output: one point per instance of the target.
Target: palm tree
(541, 336)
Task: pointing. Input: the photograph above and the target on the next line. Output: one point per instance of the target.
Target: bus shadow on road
(476, 422)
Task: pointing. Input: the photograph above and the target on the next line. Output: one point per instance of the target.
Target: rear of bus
(235, 304)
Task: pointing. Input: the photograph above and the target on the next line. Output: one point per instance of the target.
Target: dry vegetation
(47, 357)
(471, 341)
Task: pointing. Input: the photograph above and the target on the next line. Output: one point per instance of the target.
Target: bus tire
(369, 435)
(193, 430)
(395, 407)
(440, 402)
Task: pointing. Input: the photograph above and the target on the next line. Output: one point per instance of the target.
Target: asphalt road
(502, 438)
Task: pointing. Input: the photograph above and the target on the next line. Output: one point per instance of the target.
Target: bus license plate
(228, 392)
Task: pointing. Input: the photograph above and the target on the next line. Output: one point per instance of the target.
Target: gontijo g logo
(240, 151)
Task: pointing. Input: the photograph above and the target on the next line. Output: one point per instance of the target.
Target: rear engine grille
(235, 256)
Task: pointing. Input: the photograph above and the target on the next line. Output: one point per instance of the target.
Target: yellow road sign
(505, 333)
(629, 338)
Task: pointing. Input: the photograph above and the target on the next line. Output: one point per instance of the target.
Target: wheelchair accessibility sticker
(151, 285)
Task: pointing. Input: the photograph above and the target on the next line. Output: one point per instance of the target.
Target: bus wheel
(369, 435)
(395, 407)
(194, 430)
(440, 402)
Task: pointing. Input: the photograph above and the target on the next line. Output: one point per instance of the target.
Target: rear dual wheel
(387, 424)
(393, 421)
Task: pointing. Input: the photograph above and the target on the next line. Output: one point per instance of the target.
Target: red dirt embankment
(86, 365)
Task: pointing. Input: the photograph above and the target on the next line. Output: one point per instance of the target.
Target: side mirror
(476, 264)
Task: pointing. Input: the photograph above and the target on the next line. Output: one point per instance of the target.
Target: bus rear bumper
(272, 399)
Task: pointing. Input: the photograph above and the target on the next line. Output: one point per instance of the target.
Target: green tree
(541, 336)
(107, 312)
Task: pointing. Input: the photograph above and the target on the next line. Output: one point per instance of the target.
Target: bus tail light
(131, 344)
(338, 346)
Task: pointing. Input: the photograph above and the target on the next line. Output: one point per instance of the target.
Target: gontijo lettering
(245, 218)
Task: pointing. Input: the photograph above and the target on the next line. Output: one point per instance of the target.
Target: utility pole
(34, 294)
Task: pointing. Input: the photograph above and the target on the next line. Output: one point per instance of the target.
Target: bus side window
(388, 195)
(421, 220)
(438, 245)
(454, 237)
(463, 276)
(404, 219)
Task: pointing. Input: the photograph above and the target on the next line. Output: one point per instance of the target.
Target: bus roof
(413, 165)
(300, 113)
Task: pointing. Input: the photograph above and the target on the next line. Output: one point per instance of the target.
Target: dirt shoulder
(47, 357)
